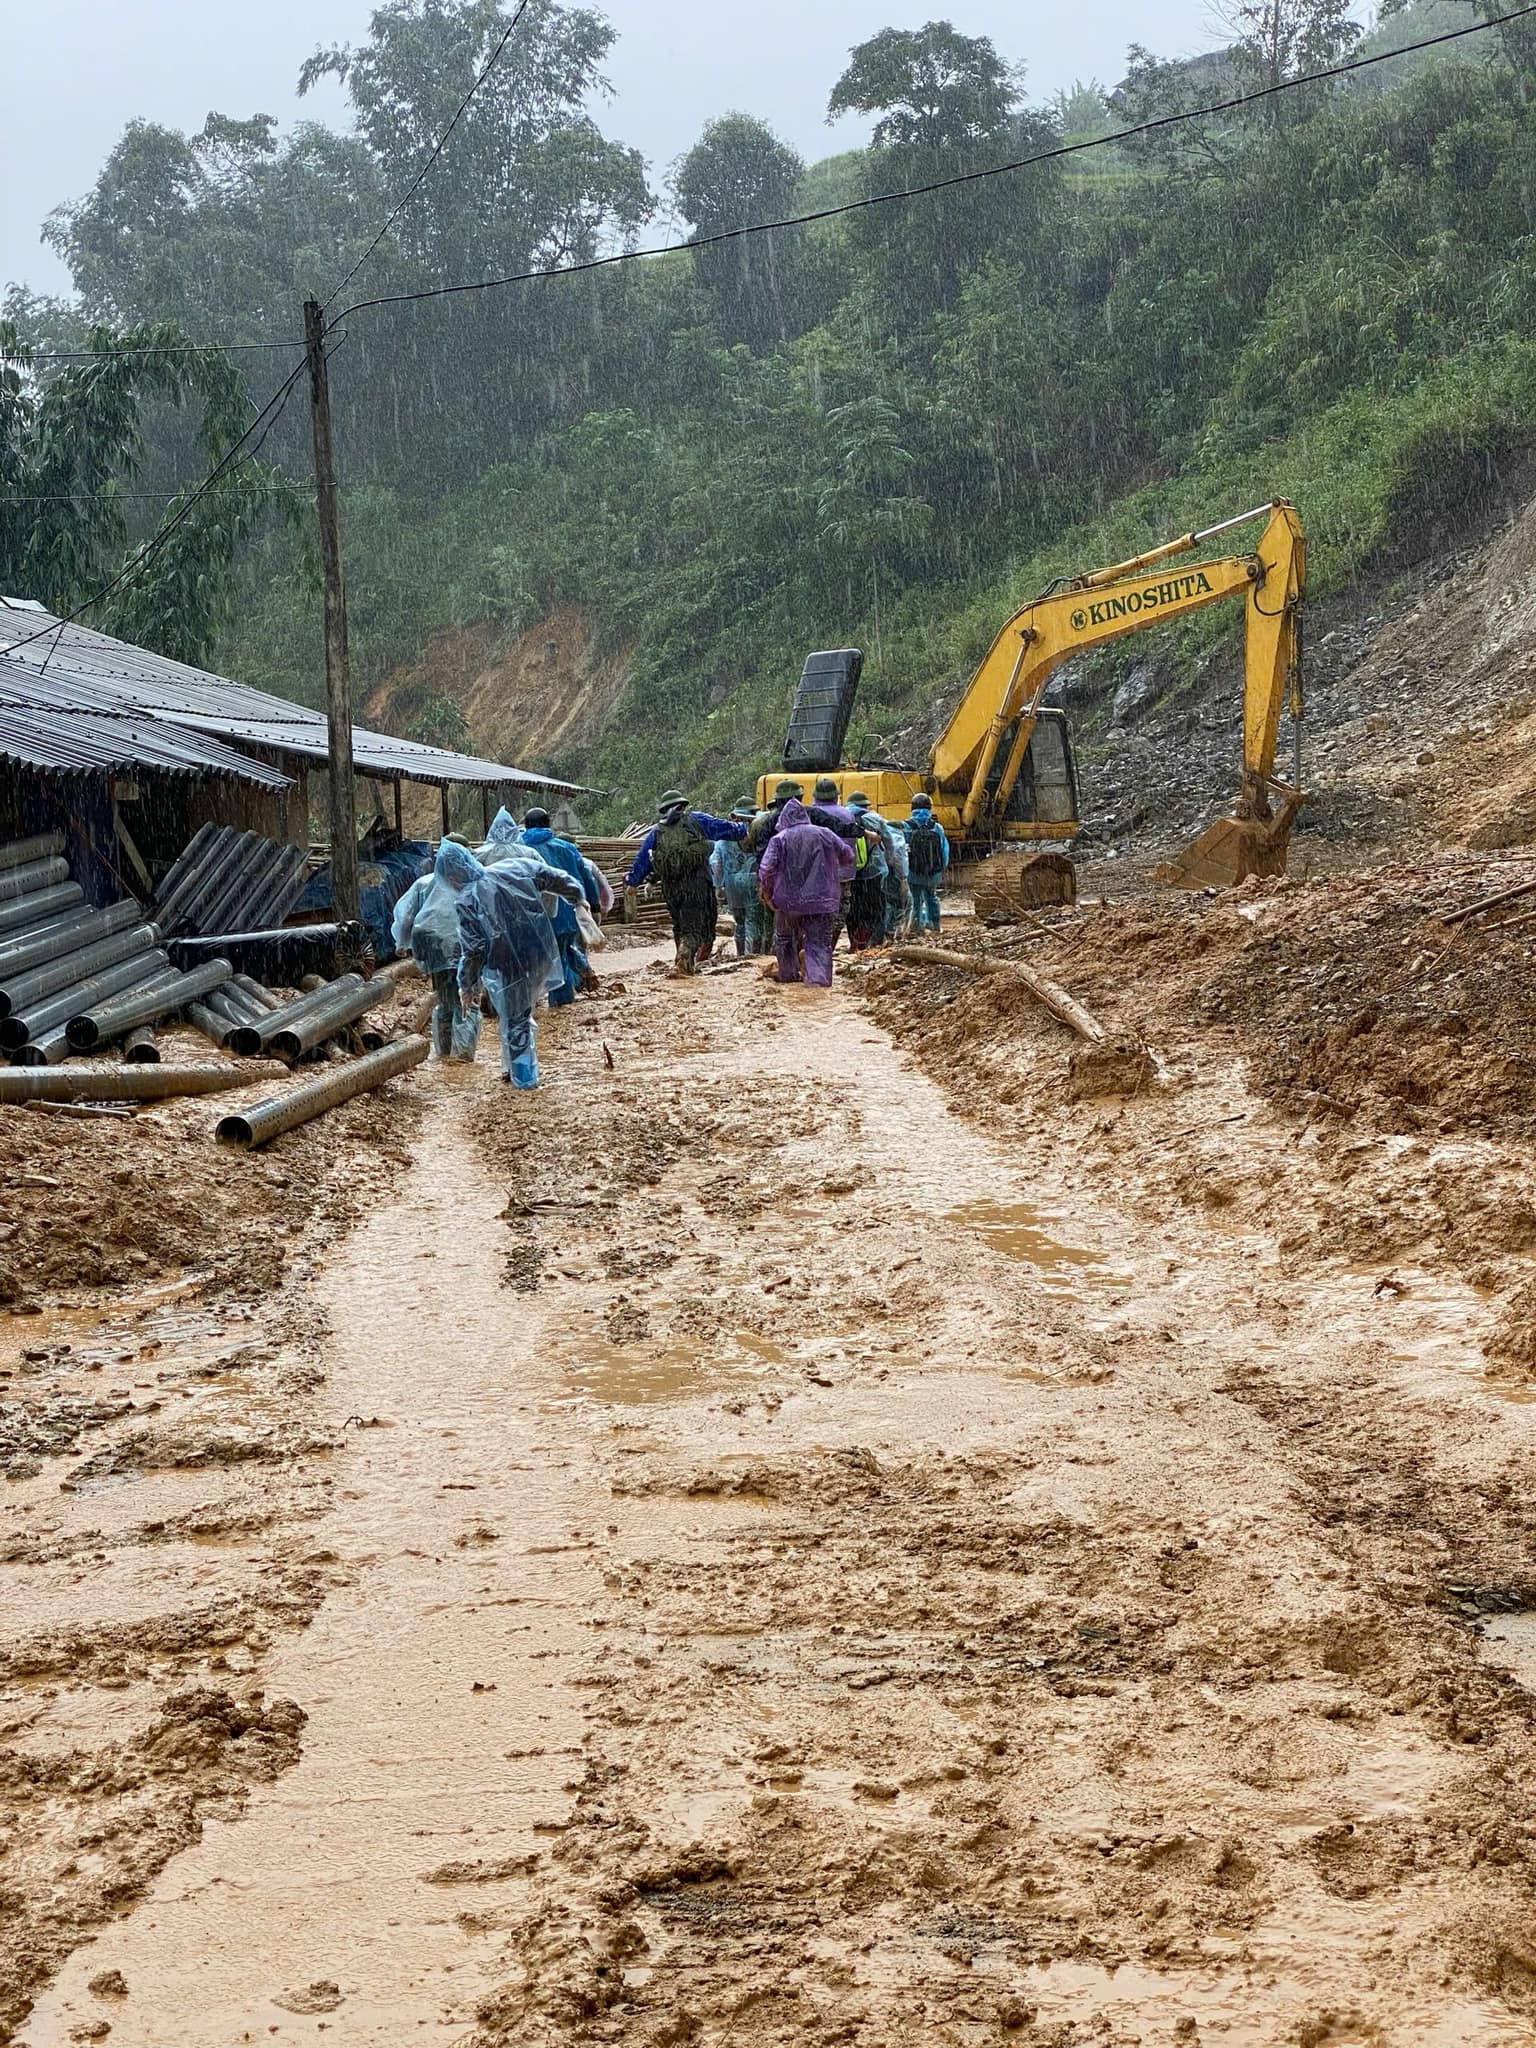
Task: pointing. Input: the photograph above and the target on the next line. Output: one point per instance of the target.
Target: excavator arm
(997, 714)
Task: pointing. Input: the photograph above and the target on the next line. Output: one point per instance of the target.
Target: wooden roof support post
(338, 669)
(399, 809)
(447, 821)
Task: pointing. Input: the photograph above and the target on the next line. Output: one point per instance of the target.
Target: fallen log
(1064, 1008)
(1489, 903)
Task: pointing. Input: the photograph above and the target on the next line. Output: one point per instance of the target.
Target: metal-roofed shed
(119, 719)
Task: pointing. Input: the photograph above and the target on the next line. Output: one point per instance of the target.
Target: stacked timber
(615, 857)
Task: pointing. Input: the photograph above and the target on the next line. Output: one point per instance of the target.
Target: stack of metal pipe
(226, 881)
(57, 956)
(73, 978)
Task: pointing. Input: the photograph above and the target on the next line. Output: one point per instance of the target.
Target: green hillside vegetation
(887, 430)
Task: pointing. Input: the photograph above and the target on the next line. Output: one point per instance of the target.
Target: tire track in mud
(962, 1610)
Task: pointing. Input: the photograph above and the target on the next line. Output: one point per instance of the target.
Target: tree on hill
(736, 174)
(72, 445)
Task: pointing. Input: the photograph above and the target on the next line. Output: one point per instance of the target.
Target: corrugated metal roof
(76, 743)
(373, 753)
(92, 672)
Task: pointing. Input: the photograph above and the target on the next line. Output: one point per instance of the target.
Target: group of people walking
(511, 919)
(793, 875)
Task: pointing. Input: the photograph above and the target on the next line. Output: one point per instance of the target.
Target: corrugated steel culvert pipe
(267, 1120)
(36, 1021)
(113, 1018)
(124, 1084)
(63, 970)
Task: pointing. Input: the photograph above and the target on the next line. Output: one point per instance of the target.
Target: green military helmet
(744, 809)
(785, 790)
(858, 801)
(826, 790)
(669, 799)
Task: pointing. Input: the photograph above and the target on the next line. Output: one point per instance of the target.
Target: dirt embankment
(109, 1204)
(526, 698)
(1331, 1062)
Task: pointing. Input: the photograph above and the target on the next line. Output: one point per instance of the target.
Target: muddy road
(736, 1550)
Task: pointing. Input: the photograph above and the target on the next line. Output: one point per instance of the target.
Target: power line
(791, 220)
(279, 399)
(178, 348)
(121, 497)
(1023, 163)
(260, 427)
(437, 149)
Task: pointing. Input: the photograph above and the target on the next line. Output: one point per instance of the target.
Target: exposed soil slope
(550, 691)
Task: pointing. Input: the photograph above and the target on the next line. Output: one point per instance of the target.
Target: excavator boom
(996, 717)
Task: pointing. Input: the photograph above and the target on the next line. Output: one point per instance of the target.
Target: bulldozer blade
(1232, 849)
(1010, 882)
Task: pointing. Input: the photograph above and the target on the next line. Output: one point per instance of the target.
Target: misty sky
(93, 65)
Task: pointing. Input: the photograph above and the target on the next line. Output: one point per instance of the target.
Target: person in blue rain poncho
(735, 873)
(508, 946)
(539, 834)
(426, 924)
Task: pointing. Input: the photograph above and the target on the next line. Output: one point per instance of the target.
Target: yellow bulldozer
(1002, 778)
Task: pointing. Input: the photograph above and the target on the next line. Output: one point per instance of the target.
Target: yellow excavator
(1001, 777)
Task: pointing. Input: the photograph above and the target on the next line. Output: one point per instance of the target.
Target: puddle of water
(1020, 1230)
(1510, 1640)
(633, 1375)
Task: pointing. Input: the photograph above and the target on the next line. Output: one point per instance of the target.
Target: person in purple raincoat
(803, 870)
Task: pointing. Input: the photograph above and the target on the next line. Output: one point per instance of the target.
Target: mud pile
(110, 1203)
(1330, 1060)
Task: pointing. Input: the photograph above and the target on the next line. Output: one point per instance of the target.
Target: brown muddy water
(761, 1562)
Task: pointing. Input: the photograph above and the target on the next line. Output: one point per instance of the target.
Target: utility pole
(338, 666)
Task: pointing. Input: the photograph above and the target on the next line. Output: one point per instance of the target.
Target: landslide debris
(1393, 1056)
(100, 1204)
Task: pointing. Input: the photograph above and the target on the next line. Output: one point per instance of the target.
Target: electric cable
(872, 199)
(1064, 149)
(437, 149)
(280, 397)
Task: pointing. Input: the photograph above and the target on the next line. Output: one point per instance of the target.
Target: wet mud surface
(794, 1534)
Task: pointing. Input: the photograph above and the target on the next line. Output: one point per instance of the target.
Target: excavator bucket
(1233, 848)
(1016, 880)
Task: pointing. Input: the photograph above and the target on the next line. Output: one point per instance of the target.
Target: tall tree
(739, 173)
(946, 104)
(72, 446)
(529, 181)
(932, 87)
(1277, 40)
